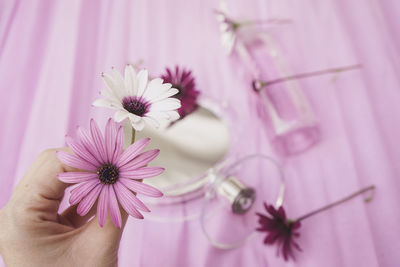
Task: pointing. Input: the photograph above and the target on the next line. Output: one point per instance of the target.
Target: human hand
(32, 233)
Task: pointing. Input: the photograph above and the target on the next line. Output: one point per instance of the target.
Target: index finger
(40, 183)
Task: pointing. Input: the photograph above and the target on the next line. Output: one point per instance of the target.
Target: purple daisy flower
(279, 230)
(109, 173)
(184, 81)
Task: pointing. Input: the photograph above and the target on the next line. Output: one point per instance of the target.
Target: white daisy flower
(136, 98)
(228, 29)
(235, 31)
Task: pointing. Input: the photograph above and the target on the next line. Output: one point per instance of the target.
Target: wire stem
(368, 199)
(262, 84)
(262, 22)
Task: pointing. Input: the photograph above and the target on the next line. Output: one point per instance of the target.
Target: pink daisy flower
(109, 173)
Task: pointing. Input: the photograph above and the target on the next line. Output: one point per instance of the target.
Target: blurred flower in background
(183, 80)
(280, 230)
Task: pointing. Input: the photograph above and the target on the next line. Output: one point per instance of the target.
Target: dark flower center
(135, 105)
(286, 229)
(108, 174)
(180, 89)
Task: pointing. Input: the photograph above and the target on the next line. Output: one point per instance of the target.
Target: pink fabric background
(52, 54)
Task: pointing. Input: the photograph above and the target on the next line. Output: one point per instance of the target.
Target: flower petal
(87, 202)
(119, 145)
(141, 188)
(118, 79)
(158, 115)
(228, 40)
(152, 121)
(121, 115)
(132, 151)
(101, 102)
(142, 173)
(76, 177)
(81, 151)
(134, 118)
(111, 96)
(162, 96)
(74, 161)
(125, 193)
(86, 140)
(166, 105)
(156, 88)
(109, 81)
(115, 214)
(173, 115)
(137, 125)
(114, 86)
(98, 140)
(119, 82)
(141, 160)
(142, 78)
(102, 206)
(125, 203)
(282, 213)
(272, 237)
(109, 138)
(130, 80)
(81, 190)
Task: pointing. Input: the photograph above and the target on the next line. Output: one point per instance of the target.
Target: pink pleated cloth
(53, 52)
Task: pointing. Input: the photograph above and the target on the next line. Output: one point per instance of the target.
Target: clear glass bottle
(294, 127)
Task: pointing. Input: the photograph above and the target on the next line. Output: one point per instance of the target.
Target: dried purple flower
(184, 81)
(279, 230)
(282, 230)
